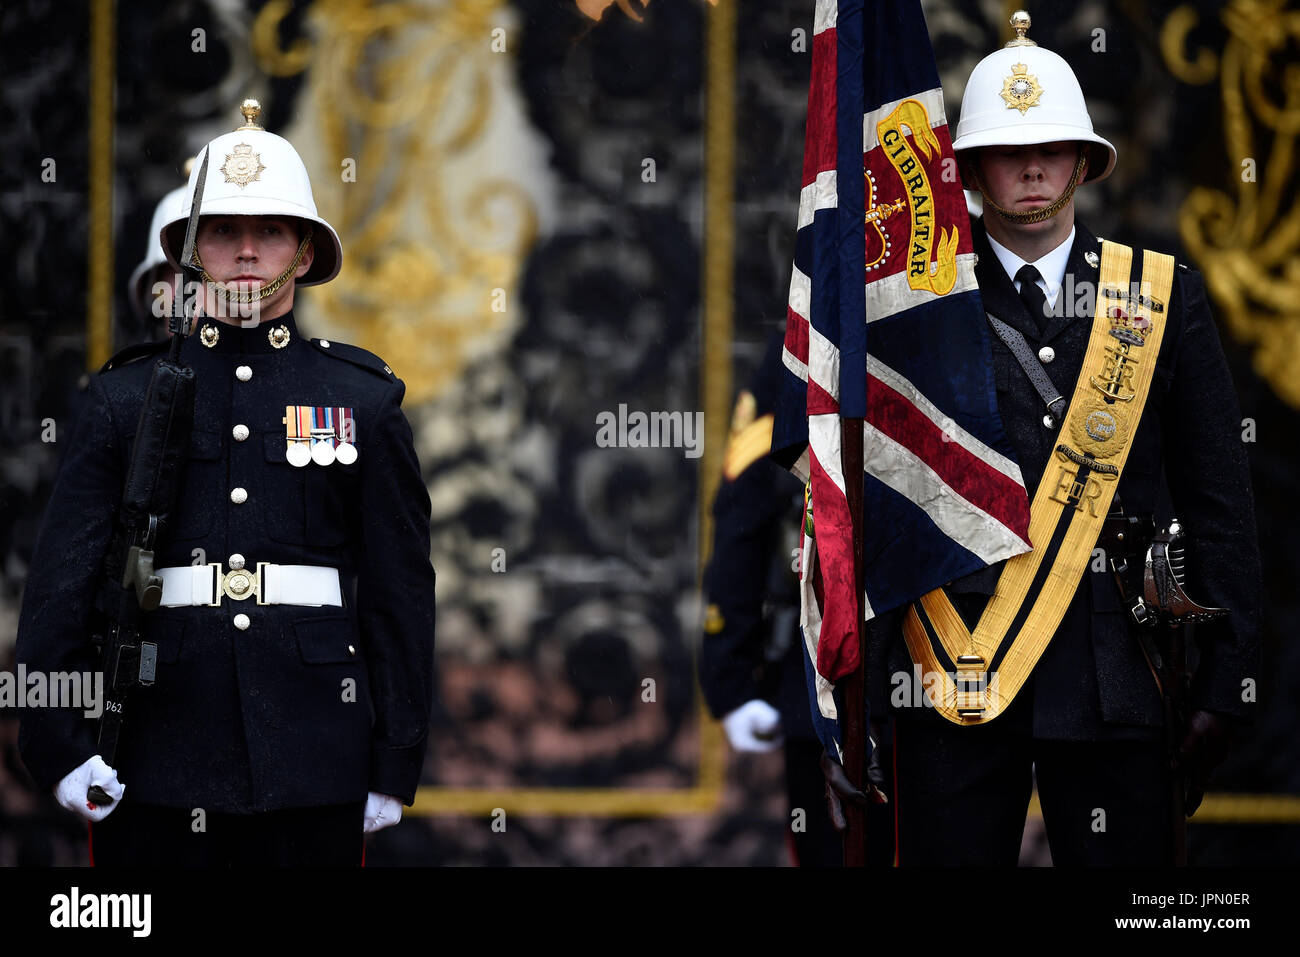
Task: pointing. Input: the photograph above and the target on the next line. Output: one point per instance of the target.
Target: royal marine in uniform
(1115, 395)
(295, 634)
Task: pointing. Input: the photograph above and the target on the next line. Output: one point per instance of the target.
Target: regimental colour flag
(885, 325)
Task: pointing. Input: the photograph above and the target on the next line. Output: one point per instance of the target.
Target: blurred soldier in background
(149, 293)
(751, 663)
(152, 283)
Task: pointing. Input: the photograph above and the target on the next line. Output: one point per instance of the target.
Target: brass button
(324, 343)
(235, 561)
(351, 650)
(1049, 422)
(240, 432)
(243, 373)
(242, 622)
(239, 496)
(1046, 354)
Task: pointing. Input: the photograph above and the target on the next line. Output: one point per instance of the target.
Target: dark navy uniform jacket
(1092, 682)
(752, 646)
(257, 719)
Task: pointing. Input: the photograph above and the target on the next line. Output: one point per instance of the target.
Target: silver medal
(346, 453)
(322, 453)
(298, 454)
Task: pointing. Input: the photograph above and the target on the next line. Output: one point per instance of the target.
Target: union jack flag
(885, 324)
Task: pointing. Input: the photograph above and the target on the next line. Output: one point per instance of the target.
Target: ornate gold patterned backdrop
(508, 254)
(1246, 236)
(424, 162)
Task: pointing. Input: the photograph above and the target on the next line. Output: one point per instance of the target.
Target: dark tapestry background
(542, 667)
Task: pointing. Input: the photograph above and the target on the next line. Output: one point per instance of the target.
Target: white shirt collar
(1051, 267)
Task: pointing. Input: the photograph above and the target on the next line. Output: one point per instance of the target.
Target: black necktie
(1032, 296)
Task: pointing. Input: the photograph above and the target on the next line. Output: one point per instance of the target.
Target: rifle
(153, 486)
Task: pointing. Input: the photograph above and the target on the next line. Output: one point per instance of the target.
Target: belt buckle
(240, 583)
(215, 568)
(971, 701)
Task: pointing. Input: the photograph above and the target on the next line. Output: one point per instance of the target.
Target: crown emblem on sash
(1126, 324)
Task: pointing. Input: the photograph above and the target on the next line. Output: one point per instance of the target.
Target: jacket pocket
(1105, 592)
(1127, 688)
(330, 493)
(193, 514)
(284, 492)
(167, 631)
(327, 640)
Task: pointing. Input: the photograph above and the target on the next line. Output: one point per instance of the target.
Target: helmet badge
(1020, 90)
(243, 166)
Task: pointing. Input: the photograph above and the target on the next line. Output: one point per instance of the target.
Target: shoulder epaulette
(134, 353)
(355, 355)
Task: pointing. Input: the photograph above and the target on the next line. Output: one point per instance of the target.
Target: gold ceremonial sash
(984, 670)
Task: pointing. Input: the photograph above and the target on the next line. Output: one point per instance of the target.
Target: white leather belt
(269, 584)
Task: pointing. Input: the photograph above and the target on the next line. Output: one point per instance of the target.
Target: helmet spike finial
(250, 108)
(1020, 22)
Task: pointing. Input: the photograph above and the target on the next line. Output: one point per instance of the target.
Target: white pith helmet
(1023, 95)
(168, 209)
(255, 173)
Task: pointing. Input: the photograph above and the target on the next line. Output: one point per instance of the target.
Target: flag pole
(850, 107)
(855, 697)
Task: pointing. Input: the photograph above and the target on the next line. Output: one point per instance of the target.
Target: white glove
(382, 810)
(71, 791)
(754, 726)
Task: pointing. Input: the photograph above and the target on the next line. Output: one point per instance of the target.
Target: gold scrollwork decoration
(1173, 41)
(264, 38)
(411, 98)
(1247, 241)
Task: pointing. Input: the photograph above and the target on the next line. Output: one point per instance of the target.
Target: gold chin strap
(1033, 215)
(225, 291)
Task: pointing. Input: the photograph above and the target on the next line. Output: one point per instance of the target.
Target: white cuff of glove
(382, 810)
(71, 791)
(754, 726)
